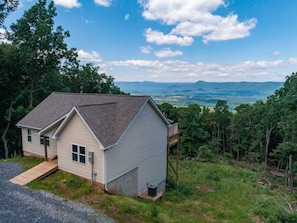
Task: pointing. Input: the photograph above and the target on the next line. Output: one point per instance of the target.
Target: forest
(264, 132)
(35, 61)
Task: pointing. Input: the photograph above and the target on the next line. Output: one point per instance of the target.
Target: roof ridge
(107, 103)
(113, 95)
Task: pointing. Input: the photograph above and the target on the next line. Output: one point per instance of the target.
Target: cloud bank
(193, 19)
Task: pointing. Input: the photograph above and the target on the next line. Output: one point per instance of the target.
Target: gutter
(105, 172)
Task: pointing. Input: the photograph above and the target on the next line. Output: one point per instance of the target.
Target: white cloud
(184, 71)
(167, 53)
(276, 53)
(127, 16)
(173, 12)
(89, 57)
(197, 19)
(138, 63)
(292, 60)
(146, 49)
(105, 3)
(229, 28)
(160, 39)
(68, 3)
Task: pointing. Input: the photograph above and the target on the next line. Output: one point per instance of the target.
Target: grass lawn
(206, 192)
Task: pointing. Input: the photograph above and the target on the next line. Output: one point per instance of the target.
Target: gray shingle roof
(107, 115)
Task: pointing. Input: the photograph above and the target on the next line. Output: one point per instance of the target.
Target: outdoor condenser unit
(152, 190)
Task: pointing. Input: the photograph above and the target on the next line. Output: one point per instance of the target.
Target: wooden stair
(37, 172)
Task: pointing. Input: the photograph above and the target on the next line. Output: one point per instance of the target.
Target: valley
(201, 92)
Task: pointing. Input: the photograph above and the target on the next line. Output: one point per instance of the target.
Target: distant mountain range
(201, 92)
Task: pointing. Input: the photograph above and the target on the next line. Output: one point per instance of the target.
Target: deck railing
(173, 135)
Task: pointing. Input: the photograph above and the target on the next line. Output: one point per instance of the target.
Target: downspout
(105, 172)
(92, 173)
(92, 159)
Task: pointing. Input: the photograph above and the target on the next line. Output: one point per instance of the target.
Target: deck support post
(45, 138)
(172, 141)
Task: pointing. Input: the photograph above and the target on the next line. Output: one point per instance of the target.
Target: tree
(30, 66)
(169, 111)
(282, 152)
(42, 50)
(9, 88)
(192, 133)
(222, 118)
(241, 130)
(287, 97)
(7, 6)
(87, 78)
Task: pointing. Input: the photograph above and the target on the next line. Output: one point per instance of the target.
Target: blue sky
(181, 40)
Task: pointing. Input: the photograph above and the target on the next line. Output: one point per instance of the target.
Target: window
(82, 154)
(74, 153)
(29, 135)
(42, 140)
(79, 153)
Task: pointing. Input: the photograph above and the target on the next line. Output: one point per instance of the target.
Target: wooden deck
(37, 172)
(144, 195)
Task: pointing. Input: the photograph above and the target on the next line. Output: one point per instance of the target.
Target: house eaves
(159, 112)
(66, 121)
(27, 127)
(46, 128)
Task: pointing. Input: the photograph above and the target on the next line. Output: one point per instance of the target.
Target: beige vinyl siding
(143, 145)
(34, 147)
(77, 133)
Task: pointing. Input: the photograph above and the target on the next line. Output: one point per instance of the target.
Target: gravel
(23, 205)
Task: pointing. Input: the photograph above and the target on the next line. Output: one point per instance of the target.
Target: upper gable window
(42, 140)
(79, 153)
(29, 135)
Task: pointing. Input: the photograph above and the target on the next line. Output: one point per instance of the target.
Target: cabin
(117, 141)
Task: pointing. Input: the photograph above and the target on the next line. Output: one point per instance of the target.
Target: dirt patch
(204, 188)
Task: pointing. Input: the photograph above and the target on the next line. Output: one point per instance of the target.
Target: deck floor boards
(37, 172)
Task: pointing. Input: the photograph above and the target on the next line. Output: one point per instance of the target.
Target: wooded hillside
(262, 132)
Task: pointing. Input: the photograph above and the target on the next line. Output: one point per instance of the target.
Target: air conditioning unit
(152, 190)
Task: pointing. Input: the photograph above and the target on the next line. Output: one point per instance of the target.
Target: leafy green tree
(192, 134)
(42, 49)
(222, 119)
(169, 111)
(287, 98)
(87, 78)
(9, 87)
(257, 132)
(282, 152)
(241, 131)
(30, 65)
(7, 6)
